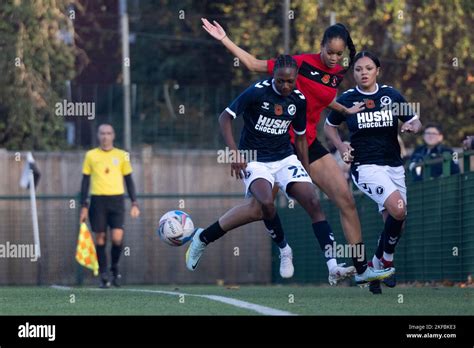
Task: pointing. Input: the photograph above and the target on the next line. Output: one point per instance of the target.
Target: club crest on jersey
(266, 105)
(379, 190)
(115, 161)
(325, 78)
(369, 103)
(278, 110)
(292, 109)
(385, 100)
(334, 81)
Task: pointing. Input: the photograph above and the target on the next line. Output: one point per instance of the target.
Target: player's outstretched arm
(217, 32)
(346, 111)
(238, 167)
(411, 126)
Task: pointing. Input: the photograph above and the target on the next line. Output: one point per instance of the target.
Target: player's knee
(315, 209)
(313, 203)
(345, 200)
(268, 209)
(255, 211)
(117, 241)
(398, 213)
(100, 240)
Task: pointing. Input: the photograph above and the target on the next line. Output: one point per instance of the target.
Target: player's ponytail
(339, 30)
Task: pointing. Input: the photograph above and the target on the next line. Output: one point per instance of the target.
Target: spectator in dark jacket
(433, 148)
(468, 143)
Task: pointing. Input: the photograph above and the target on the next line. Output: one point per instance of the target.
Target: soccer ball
(176, 228)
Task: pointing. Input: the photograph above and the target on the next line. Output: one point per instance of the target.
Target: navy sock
(276, 231)
(101, 258)
(212, 233)
(393, 229)
(325, 237)
(380, 244)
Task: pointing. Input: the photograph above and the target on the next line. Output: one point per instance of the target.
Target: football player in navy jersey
(269, 108)
(374, 152)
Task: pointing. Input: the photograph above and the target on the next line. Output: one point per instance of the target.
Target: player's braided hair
(340, 31)
(285, 61)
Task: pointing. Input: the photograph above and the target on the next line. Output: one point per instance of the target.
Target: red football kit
(319, 85)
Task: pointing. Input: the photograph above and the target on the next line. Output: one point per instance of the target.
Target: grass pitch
(202, 300)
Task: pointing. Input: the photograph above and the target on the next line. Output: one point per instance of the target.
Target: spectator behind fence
(468, 143)
(433, 148)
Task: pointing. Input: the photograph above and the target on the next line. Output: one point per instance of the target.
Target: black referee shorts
(106, 211)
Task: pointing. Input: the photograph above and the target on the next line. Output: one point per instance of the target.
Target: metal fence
(437, 243)
(242, 256)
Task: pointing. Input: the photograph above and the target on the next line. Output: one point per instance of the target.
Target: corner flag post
(34, 214)
(30, 173)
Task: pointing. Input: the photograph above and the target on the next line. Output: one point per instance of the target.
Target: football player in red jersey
(318, 78)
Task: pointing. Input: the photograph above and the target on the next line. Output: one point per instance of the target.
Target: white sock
(331, 264)
(387, 257)
(285, 249)
(376, 262)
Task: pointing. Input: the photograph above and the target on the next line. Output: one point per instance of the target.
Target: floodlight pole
(286, 26)
(127, 138)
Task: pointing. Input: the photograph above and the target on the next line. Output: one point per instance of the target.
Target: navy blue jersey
(267, 119)
(374, 130)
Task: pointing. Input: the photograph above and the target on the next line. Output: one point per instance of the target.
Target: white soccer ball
(176, 228)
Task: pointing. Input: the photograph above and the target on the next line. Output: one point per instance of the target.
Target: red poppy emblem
(369, 103)
(278, 110)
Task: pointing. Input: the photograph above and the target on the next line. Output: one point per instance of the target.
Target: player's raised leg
(249, 211)
(326, 173)
(261, 190)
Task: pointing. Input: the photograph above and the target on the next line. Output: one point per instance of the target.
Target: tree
(424, 47)
(35, 60)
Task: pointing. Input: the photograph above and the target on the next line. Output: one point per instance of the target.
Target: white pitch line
(247, 305)
(227, 300)
(61, 287)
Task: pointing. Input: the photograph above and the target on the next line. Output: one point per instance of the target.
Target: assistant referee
(105, 169)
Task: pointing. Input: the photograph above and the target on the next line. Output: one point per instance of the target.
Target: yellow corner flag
(85, 252)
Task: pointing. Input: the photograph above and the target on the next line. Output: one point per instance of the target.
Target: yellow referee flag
(85, 252)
